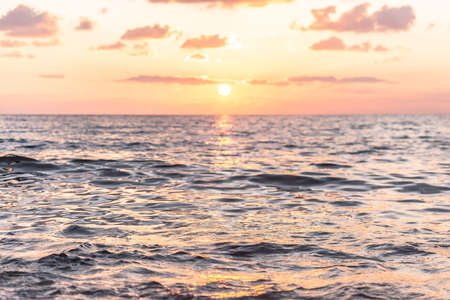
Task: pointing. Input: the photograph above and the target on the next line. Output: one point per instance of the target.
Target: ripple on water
(14, 159)
(423, 188)
(113, 173)
(241, 207)
(398, 250)
(331, 166)
(77, 230)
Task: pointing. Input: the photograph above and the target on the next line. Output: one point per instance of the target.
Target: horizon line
(186, 115)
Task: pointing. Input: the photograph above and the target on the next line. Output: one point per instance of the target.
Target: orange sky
(278, 56)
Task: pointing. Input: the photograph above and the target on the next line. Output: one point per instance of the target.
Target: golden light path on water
(224, 206)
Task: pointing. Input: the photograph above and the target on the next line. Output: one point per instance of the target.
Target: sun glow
(224, 89)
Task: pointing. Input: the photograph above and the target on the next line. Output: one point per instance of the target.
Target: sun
(224, 89)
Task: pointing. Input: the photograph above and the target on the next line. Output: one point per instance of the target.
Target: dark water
(225, 207)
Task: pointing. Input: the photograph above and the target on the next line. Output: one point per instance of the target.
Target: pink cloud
(361, 80)
(301, 80)
(304, 79)
(430, 26)
(295, 80)
(380, 48)
(225, 3)
(197, 57)
(116, 46)
(52, 76)
(332, 43)
(156, 31)
(364, 47)
(85, 24)
(140, 46)
(17, 54)
(49, 43)
(140, 49)
(205, 41)
(172, 80)
(140, 53)
(391, 59)
(12, 44)
(336, 44)
(24, 21)
(359, 20)
(267, 82)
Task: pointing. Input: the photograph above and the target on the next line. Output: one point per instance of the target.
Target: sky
(276, 56)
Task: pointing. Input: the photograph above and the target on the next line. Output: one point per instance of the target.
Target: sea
(227, 207)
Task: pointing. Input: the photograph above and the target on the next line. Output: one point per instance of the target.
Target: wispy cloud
(266, 82)
(52, 76)
(103, 11)
(12, 44)
(84, 24)
(302, 80)
(156, 31)
(199, 57)
(116, 46)
(361, 80)
(336, 44)
(172, 80)
(332, 43)
(48, 43)
(224, 3)
(294, 80)
(140, 49)
(380, 48)
(17, 54)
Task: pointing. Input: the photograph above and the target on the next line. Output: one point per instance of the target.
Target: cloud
(17, 54)
(361, 80)
(25, 22)
(301, 80)
(140, 53)
(156, 31)
(225, 3)
(364, 47)
(205, 41)
(391, 60)
(332, 79)
(197, 57)
(266, 82)
(116, 46)
(336, 44)
(49, 43)
(136, 49)
(140, 46)
(380, 48)
(296, 80)
(359, 20)
(305, 79)
(140, 49)
(333, 43)
(12, 44)
(430, 26)
(172, 80)
(103, 11)
(85, 24)
(52, 76)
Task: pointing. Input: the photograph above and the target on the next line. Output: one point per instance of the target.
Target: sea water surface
(235, 207)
